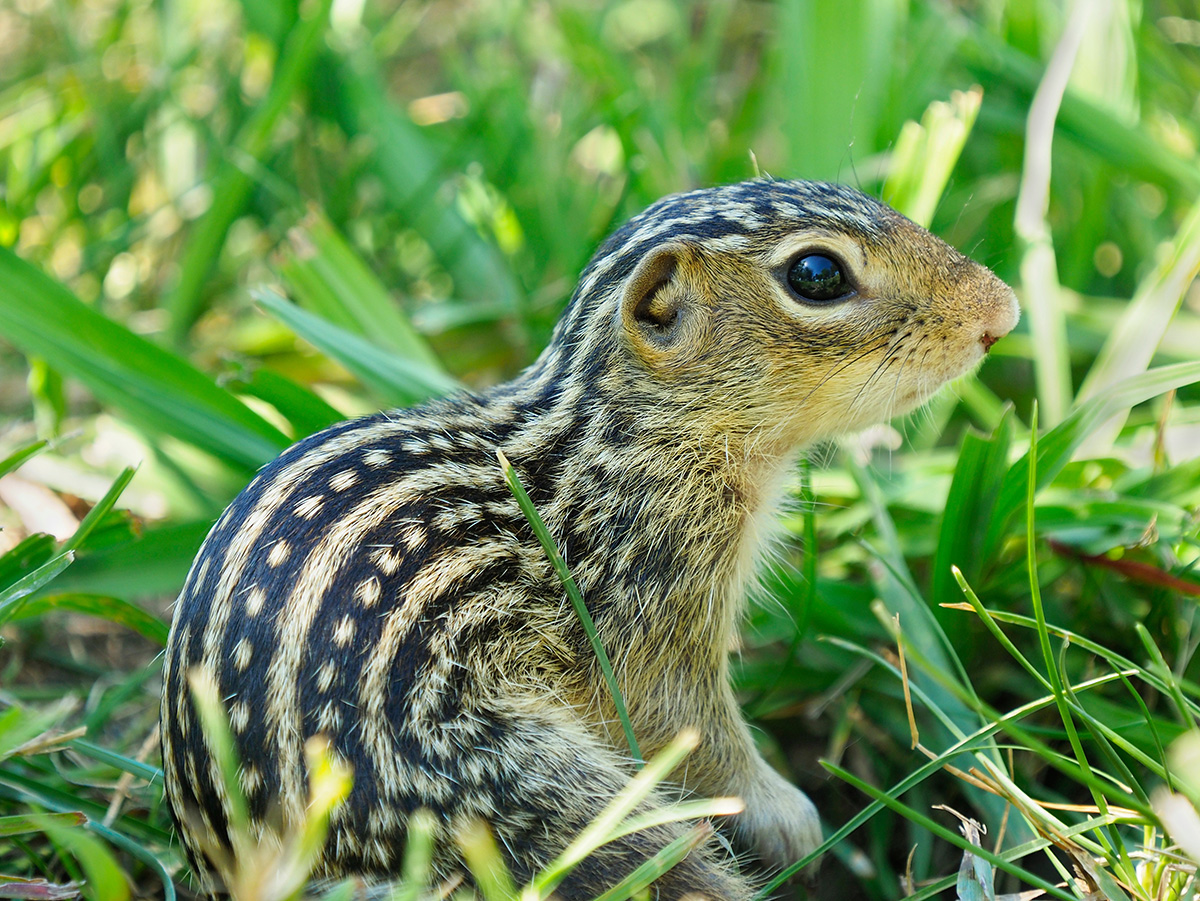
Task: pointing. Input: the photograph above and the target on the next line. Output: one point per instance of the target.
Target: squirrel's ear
(654, 300)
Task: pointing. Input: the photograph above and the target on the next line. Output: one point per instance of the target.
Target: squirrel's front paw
(780, 824)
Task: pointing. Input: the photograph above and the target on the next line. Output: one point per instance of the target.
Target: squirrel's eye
(817, 277)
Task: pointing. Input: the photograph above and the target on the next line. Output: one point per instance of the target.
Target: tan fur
(379, 585)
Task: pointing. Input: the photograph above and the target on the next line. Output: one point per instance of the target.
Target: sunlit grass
(424, 181)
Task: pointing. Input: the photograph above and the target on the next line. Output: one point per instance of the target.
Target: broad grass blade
(155, 389)
(831, 63)
(1057, 446)
(114, 610)
(37, 822)
(306, 410)
(982, 464)
(105, 878)
(395, 379)
(329, 278)
(155, 564)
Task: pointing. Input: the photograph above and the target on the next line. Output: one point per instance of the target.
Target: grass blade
(114, 610)
(837, 83)
(306, 410)
(926, 152)
(154, 564)
(61, 803)
(410, 168)
(1035, 589)
(37, 790)
(947, 835)
(152, 774)
(1163, 671)
(1133, 341)
(1100, 730)
(232, 184)
(1057, 446)
(1126, 147)
(564, 574)
(669, 855)
(30, 553)
(900, 596)
(104, 876)
(218, 736)
(1008, 722)
(418, 856)
(701, 809)
(100, 510)
(982, 464)
(482, 855)
(19, 456)
(952, 694)
(331, 280)
(396, 380)
(37, 822)
(157, 390)
(604, 827)
(1039, 270)
(13, 597)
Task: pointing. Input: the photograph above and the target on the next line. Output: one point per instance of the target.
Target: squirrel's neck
(647, 503)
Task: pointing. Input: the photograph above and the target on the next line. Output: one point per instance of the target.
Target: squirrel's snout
(1003, 317)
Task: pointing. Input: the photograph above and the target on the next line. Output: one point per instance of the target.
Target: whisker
(843, 366)
(897, 345)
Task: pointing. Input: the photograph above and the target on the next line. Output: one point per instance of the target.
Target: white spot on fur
(368, 592)
(308, 507)
(242, 653)
(330, 718)
(325, 675)
(376, 457)
(279, 553)
(413, 537)
(387, 559)
(344, 633)
(239, 716)
(343, 480)
(255, 598)
(251, 778)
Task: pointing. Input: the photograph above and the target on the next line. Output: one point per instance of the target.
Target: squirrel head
(777, 313)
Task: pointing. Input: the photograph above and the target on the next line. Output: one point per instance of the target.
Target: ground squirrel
(378, 584)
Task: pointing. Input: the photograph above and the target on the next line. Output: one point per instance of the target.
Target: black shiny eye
(817, 277)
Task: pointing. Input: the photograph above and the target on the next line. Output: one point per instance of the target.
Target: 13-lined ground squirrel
(378, 584)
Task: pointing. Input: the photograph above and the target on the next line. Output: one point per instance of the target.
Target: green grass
(423, 182)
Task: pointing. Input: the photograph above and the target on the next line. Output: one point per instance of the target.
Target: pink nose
(987, 340)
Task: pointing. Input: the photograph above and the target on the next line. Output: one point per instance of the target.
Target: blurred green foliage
(426, 179)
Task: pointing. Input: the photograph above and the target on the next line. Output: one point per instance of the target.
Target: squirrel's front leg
(779, 824)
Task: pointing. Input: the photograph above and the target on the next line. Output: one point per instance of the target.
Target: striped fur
(377, 583)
